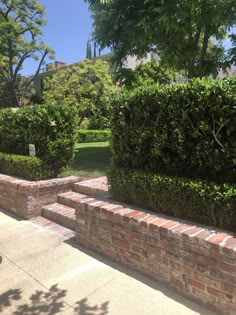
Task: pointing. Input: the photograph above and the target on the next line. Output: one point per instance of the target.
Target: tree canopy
(85, 85)
(187, 34)
(21, 23)
(145, 74)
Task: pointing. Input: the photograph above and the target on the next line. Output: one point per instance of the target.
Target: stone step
(54, 227)
(92, 187)
(60, 214)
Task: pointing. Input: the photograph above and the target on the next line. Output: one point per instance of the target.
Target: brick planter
(25, 198)
(196, 261)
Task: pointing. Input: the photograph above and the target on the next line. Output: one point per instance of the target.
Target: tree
(85, 85)
(89, 50)
(94, 50)
(20, 39)
(145, 74)
(187, 34)
(232, 50)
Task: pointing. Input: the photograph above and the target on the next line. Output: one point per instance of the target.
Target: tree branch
(36, 73)
(20, 63)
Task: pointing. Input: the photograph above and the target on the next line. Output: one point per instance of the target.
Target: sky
(68, 29)
(69, 26)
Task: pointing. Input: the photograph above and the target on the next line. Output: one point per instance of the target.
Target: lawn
(90, 160)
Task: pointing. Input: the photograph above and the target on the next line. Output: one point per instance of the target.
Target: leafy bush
(186, 130)
(50, 128)
(27, 167)
(195, 200)
(85, 86)
(94, 136)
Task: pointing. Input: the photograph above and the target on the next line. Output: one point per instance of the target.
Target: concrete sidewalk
(43, 274)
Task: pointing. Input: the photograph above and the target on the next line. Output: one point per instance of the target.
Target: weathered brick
(189, 258)
(121, 243)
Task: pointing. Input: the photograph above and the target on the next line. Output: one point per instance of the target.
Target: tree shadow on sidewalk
(48, 302)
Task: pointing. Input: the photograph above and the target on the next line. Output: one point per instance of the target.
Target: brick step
(92, 187)
(60, 214)
(71, 199)
(54, 227)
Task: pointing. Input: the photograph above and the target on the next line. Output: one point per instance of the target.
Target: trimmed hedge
(51, 128)
(174, 150)
(27, 167)
(94, 135)
(196, 200)
(186, 130)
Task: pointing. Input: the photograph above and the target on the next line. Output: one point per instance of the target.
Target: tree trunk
(13, 99)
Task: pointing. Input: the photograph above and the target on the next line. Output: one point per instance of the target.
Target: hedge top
(187, 130)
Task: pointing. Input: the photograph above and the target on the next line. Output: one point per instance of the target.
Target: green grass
(90, 160)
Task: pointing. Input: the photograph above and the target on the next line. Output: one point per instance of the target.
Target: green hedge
(27, 167)
(186, 130)
(51, 128)
(94, 135)
(196, 200)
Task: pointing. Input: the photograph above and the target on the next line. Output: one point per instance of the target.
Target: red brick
(230, 243)
(147, 220)
(218, 293)
(180, 228)
(129, 215)
(176, 283)
(197, 284)
(203, 234)
(203, 259)
(121, 243)
(228, 268)
(228, 287)
(156, 223)
(139, 216)
(217, 238)
(207, 280)
(168, 225)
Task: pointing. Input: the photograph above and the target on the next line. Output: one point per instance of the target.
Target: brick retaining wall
(198, 262)
(25, 198)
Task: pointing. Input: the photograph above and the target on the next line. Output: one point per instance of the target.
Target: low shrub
(52, 129)
(195, 200)
(26, 167)
(93, 135)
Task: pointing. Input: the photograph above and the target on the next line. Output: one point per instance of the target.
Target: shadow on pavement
(48, 302)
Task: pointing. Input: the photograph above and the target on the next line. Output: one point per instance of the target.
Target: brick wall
(197, 262)
(26, 198)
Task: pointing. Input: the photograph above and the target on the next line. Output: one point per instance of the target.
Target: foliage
(25, 92)
(85, 86)
(20, 39)
(26, 167)
(50, 128)
(188, 130)
(93, 136)
(195, 200)
(187, 35)
(232, 50)
(145, 74)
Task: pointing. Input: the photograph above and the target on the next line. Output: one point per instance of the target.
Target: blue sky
(67, 31)
(69, 26)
